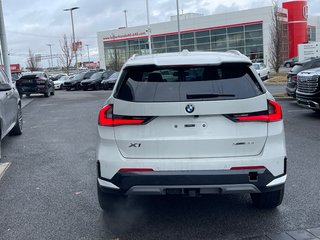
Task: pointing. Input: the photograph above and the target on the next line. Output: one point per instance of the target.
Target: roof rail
(236, 52)
(133, 56)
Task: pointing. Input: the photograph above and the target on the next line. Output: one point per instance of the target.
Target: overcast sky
(32, 24)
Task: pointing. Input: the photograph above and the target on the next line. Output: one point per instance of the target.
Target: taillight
(273, 114)
(106, 118)
(248, 168)
(294, 78)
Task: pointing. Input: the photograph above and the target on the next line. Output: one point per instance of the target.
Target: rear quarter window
(187, 83)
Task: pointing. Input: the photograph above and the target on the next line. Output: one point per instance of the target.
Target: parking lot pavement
(49, 191)
(276, 88)
(25, 101)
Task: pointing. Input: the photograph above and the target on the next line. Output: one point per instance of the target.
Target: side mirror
(5, 87)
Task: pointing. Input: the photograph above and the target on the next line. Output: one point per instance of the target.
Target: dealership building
(248, 31)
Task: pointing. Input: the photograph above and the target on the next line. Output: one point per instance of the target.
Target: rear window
(32, 76)
(187, 83)
(79, 76)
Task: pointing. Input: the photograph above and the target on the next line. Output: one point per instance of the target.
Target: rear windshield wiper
(211, 95)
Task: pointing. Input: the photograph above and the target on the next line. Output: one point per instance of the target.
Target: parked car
(74, 83)
(262, 70)
(214, 128)
(109, 83)
(290, 62)
(35, 82)
(308, 89)
(59, 83)
(56, 77)
(292, 74)
(10, 108)
(94, 82)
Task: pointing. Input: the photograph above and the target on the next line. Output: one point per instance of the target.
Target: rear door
(9, 104)
(188, 108)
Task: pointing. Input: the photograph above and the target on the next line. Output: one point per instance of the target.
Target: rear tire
(17, 129)
(288, 65)
(110, 202)
(268, 76)
(28, 95)
(47, 94)
(267, 199)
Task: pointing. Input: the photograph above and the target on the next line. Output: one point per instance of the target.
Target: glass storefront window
(247, 39)
(202, 34)
(219, 31)
(187, 41)
(203, 40)
(235, 29)
(203, 47)
(187, 36)
(253, 27)
(172, 37)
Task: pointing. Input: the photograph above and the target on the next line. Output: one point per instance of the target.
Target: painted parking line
(25, 102)
(299, 110)
(3, 168)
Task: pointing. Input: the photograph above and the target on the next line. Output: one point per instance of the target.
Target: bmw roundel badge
(189, 108)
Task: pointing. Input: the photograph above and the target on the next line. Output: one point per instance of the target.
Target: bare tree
(279, 39)
(115, 58)
(32, 63)
(67, 54)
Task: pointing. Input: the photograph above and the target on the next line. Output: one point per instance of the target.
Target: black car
(74, 83)
(298, 67)
(57, 76)
(94, 82)
(290, 62)
(109, 83)
(35, 82)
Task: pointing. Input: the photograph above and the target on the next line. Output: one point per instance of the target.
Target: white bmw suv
(191, 123)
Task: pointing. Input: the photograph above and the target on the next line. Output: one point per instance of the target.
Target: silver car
(10, 108)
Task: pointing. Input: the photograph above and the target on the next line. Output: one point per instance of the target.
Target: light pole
(50, 45)
(4, 46)
(178, 21)
(88, 52)
(74, 47)
(149, 28)
(125, 17)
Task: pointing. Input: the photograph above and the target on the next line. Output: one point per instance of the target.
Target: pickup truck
(308, 89)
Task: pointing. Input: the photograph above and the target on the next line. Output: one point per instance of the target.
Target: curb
(284, 98)
(25, 102)
(274, 83)
(3, 168)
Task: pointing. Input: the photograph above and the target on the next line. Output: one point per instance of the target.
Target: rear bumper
(70, 85)
(88, 85)
(109, 84)
(291, 91)
(308, 101)
(29, 90)
(197, 182)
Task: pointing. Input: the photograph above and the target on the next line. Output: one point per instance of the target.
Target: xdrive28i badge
(189, 108)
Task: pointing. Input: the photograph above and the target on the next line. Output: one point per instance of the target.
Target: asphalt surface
(276, 88)
(49, 191)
